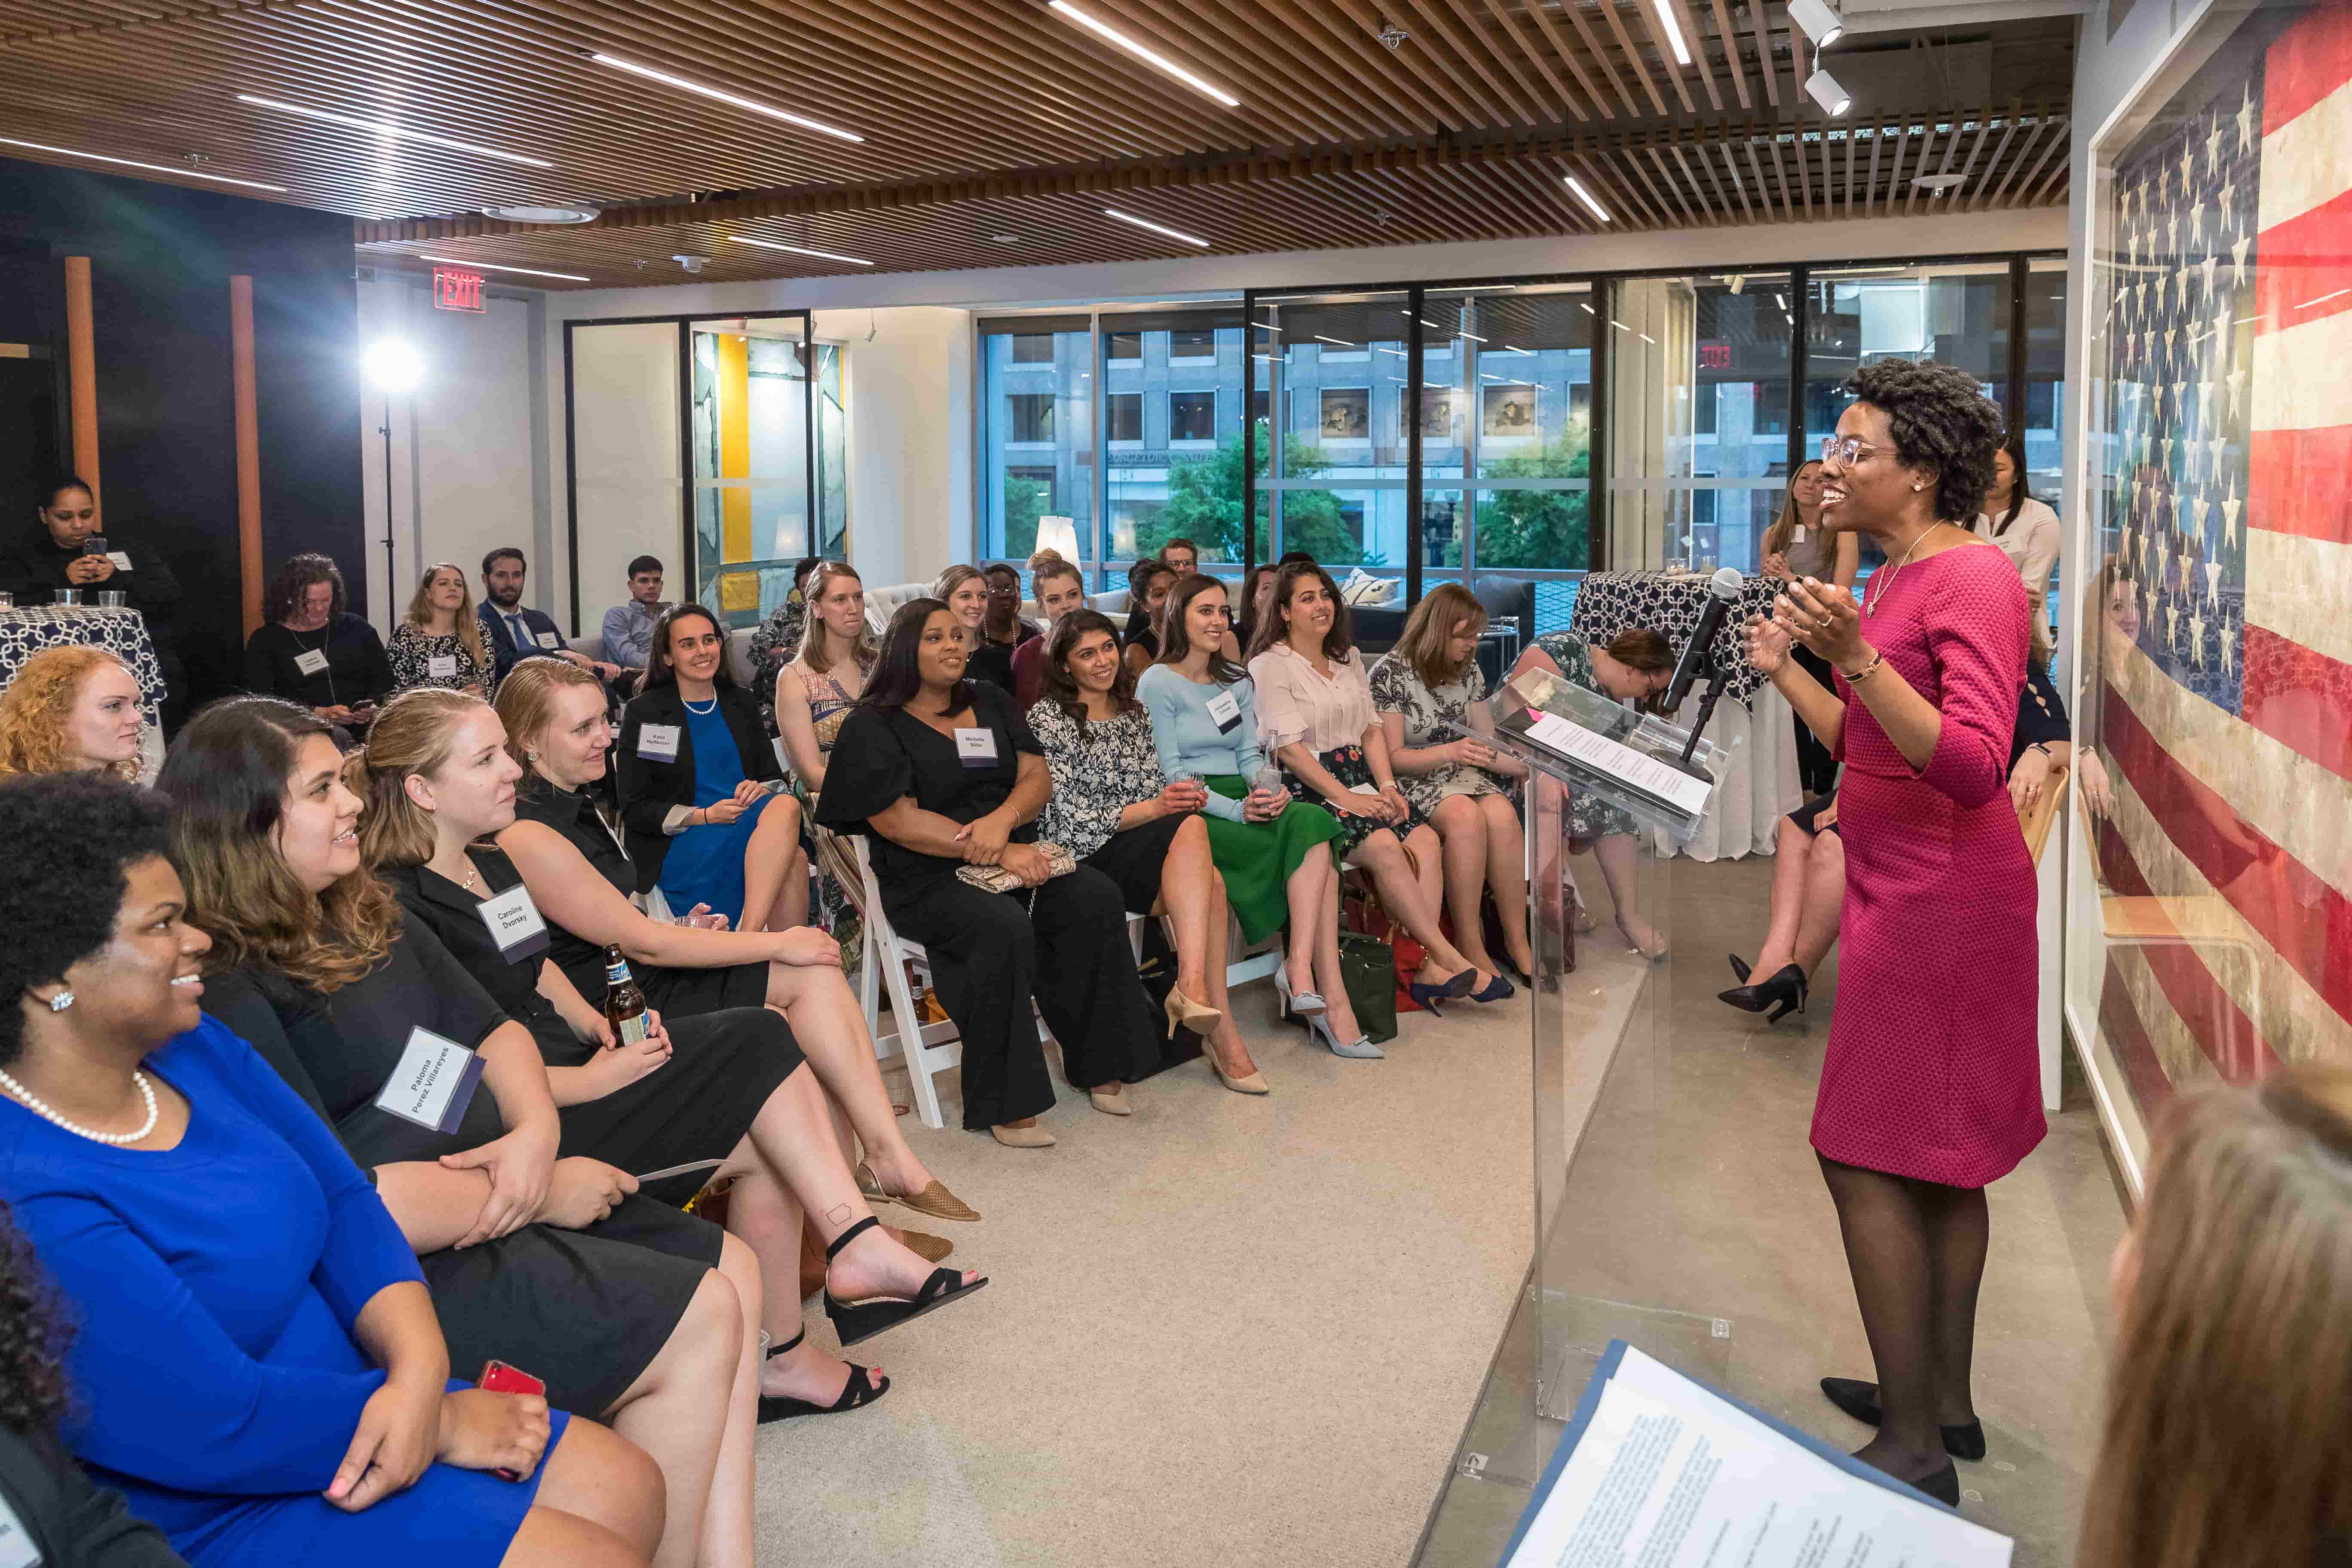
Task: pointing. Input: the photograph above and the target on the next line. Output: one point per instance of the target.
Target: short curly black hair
(1942, 422)
(71, 838)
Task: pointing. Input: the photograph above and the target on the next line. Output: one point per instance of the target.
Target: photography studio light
(1824, 90)
(1821, 24)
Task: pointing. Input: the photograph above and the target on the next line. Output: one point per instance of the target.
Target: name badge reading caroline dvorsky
(433, 1084)
(516, 924)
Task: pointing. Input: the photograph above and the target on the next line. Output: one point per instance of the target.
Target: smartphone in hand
(498, 1377)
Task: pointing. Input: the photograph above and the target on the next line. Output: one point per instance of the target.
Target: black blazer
(649, 787)
(500, 643)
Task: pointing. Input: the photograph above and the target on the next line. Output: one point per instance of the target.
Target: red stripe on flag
(2303, 267)
(2300, 481)
(2305, 63)
(2220, 1028)
(2127, 1038)
(2300, 698)
(2306, 922)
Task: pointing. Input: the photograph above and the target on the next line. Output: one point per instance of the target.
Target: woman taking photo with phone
(1315, 715)
(195, 1214)
(1272, 851)
(698, 786)
(942, 776)
(1422, 688)
(1115, 810)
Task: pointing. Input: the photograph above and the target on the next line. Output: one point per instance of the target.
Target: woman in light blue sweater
(1268, 846)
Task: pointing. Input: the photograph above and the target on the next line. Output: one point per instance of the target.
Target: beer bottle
(624, 1005)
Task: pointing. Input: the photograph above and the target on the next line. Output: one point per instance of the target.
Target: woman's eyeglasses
(1845, 451)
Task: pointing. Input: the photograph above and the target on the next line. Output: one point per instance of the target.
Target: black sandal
(860, 1391)
(859, 1321)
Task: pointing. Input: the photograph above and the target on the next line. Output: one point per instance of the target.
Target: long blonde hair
(38, 702)
(954, 578)
(2229, 1403)
(469, 625)
(1421, 647)
(226, 777)
(412, 735)
(861, 648)
(1776, 537)
(527, 704)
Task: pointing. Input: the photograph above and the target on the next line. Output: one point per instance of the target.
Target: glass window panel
(1123, 416)
(1125, 346)
(1192, 416)
(1699, 399)
(1334, 481)
(1192, 342)
(1038, 438)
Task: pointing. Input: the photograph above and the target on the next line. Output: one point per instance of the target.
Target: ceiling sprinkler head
(1393, 35)
(692, 263)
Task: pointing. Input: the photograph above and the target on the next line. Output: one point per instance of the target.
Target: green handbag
(1368, 964)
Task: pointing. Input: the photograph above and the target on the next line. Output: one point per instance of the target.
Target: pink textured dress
(1933, 1070)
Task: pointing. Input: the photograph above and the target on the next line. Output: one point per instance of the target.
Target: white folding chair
(883, 958)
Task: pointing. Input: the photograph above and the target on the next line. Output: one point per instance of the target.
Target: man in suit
(517, 632)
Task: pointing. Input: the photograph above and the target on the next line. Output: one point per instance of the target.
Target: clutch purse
(1059, 862)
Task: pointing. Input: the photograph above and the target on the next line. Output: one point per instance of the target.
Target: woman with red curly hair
(70, 711)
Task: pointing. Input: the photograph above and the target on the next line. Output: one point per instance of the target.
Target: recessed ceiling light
(495, 267)
(133, 164)
(800, 250)
(1938, 183)
(386, 128)
(1155, 227)
(1586, 197)
(543, 212)
(1666, 9)
(1341, 342)
(754, 105)
(1149, 57)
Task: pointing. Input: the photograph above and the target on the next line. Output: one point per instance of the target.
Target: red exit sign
(1714, 355)
(456, 291)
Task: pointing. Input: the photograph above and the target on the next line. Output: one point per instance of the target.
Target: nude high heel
(1185, 1012)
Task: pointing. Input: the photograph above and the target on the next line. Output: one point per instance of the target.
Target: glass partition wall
(1536, 428)
(716, 444)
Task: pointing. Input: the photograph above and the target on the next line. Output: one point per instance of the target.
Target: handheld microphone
(1723, 591)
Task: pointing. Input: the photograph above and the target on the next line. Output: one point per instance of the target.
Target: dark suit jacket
(649, 787)
(502, 643)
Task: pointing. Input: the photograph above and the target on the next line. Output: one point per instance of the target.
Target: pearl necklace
(39, 1107)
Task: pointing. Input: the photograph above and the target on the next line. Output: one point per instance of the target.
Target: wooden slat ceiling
(996, 131)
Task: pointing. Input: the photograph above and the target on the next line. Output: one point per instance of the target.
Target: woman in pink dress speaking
(1930, 1087)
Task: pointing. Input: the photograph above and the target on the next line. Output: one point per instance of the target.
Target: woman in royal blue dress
(700, 787)
(256, 1365)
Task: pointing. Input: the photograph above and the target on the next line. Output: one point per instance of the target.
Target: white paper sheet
(1668, 1474)
(1619, 761)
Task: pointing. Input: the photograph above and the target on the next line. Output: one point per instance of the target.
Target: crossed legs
(775, 870)
(830, 1029)
(1193, 895)
(1808, 898)
(1484, 848)
(1412, 896)
(1312, 959)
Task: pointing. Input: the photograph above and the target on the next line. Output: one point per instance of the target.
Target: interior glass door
(750, 429)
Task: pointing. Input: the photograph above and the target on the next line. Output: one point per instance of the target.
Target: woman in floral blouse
(778, 641)
(1112, 808)
(1422, 688)
(440, 643)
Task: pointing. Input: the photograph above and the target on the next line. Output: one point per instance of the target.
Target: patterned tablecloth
(1608, 602)
(25, 632)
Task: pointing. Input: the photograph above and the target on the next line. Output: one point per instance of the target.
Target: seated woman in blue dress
(699, 781)
(256, 1365)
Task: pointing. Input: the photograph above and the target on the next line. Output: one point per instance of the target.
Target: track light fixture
(1824, 89)
(1821, 24)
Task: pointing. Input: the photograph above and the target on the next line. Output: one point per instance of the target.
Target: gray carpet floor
(1235, 1330)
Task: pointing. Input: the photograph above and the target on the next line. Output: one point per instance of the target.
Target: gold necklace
(470, 883)
(1880, 585)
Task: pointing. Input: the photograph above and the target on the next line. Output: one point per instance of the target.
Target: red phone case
(498, 1377)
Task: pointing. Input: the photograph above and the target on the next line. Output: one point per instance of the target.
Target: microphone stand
(1715, 684)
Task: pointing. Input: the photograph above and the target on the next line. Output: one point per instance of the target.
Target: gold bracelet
(1866, 671)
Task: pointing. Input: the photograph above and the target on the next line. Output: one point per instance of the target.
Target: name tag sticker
(551, 638)
(1797, 534)
(18, 1549)
(1226, 710)
(658, 742)
(441, 666)
(516, 924)
(122, 559)
(976, 748)
(433, 1084)
(310, 662)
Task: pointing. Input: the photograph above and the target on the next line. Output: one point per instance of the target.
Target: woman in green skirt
(1271, 849)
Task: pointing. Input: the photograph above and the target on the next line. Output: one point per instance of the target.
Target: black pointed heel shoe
(1738, 968)
(1784, 994)
(859, 1392)
(1859, 1400)
(858, 1321)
